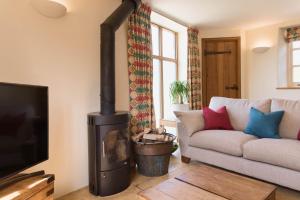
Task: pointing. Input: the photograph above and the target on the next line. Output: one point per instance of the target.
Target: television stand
(37, 185)
(19, 177)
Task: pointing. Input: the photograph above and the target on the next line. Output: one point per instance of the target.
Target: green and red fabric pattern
(140, 70)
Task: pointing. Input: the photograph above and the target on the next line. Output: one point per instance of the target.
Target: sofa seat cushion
(280, 152)
(224, 141)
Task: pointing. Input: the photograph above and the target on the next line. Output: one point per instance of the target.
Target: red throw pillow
(299, 135)
(216, 119)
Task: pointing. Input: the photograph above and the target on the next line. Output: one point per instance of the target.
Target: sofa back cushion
(239, 109)
(290, 124)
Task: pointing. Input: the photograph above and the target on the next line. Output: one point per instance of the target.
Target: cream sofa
(273, 160)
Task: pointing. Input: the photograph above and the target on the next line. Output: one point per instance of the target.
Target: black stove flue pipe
(108, 29)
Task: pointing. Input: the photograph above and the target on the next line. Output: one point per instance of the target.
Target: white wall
(64, 55)
(262, 69)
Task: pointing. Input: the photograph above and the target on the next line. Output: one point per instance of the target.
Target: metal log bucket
(153, 157)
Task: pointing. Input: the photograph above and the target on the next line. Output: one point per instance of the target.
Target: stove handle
(103, 149)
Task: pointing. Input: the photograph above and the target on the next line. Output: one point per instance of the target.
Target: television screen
(23, 127)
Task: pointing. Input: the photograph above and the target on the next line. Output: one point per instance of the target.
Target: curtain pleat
(194, 70)
(140, 70)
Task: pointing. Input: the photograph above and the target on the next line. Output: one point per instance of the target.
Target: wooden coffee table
(208, 183)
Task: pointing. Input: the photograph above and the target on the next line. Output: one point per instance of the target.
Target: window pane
(155, 40)
(296, 57)
(296, 44)
(169, 75)
(169, 48)
(296, 74)
(156, 90)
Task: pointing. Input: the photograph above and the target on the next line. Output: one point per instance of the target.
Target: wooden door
(221, 68)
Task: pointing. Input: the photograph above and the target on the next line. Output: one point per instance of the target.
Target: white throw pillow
(290, 123)
(192, 121)
(239, 109)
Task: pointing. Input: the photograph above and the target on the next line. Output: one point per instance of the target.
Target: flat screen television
(23, 127)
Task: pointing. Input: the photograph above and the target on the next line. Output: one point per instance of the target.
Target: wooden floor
(140, 183)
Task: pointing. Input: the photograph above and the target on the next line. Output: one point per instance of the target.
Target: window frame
(291, 67)
(161, 58)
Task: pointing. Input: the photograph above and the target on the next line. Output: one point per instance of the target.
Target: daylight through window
(165, 65)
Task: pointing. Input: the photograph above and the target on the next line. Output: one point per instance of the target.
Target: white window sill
(287, 88)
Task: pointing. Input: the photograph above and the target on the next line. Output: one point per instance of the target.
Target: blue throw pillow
(264, 125)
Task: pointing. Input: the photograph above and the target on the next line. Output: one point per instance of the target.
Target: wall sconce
(261, 49)
(49, 8)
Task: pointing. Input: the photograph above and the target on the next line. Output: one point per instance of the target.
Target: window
(294, 64)
(165, 67)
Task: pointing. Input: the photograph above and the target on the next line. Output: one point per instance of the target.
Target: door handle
(233, 87)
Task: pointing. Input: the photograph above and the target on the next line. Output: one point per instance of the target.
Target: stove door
(114, 146)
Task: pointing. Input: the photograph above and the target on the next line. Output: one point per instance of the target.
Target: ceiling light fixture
(50, 8)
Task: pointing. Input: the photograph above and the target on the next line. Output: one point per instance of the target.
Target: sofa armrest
(192, 121)
(183, 138)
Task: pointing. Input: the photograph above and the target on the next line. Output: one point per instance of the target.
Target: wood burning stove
(109, 154)
(109, 138)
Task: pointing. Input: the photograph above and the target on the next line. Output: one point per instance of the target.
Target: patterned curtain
(292, 34)
(194, 70)
(140, 70)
